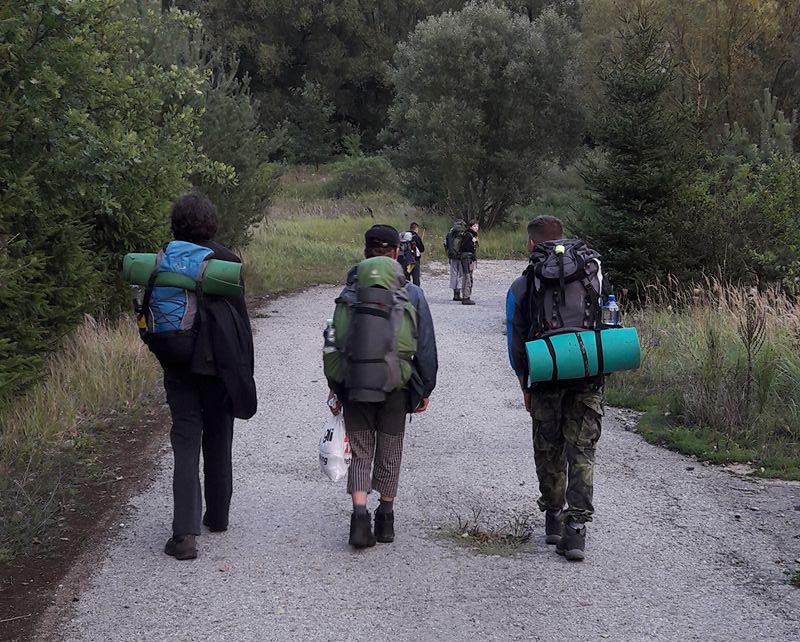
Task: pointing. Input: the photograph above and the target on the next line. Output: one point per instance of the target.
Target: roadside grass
(48, 436)
(476, 533)
(315, 241)
(794, 578)
(720, 376)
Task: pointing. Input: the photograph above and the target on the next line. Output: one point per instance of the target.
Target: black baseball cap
(382, 236)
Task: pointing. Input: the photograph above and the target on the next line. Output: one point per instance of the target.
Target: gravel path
(677, 551)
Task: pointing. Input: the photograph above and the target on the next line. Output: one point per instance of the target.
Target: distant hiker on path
(560, 290)
(376, 388)
(469, 257)
(452, 245)
(419, 246)
(205, 346)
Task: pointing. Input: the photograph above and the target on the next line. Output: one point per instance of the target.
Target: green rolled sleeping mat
(575, 355)
(220, 278)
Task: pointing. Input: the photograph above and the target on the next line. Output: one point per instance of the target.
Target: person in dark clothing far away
(375, 402)
(566, 414)
(206, 388)
(469, 254)
(420, 246)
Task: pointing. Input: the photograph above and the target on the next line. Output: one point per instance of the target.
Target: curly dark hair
(194, 218)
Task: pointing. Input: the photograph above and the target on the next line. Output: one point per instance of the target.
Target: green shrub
(96, 140)
(359, 175)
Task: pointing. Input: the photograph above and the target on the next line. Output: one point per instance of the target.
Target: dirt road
(677, 551)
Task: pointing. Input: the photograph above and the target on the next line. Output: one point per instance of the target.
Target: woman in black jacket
(206, 394)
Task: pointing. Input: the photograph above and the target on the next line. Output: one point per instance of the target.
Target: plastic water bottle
(611, 315)
(329, 335)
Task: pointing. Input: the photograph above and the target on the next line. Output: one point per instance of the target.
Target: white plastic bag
(334, 449)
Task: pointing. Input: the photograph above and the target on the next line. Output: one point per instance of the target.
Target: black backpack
(565, 286)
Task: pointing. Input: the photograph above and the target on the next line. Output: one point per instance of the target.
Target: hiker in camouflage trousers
(566, 414)
(566, 427)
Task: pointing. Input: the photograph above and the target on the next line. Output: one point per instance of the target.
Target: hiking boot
(553, 525)
(181, 547)
(384, 527)
(467, 302)
(214, 528)
(361, 531)
(456, 295)
(573, 542)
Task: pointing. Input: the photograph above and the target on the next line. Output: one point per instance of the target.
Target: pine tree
(637, 177)
(311, 134)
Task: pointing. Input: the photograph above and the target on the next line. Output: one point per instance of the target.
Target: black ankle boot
(361, 530)
(384, 526)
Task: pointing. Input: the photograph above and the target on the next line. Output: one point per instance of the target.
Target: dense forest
(679, 115)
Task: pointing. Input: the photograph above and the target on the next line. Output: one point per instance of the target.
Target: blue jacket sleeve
(427, 357)
(516, 330)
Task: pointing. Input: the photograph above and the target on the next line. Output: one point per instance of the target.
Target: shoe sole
(385, 540)
(362, 545)
(573, 555)
(184, 557)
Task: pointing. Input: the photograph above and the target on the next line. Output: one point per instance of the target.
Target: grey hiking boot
(573, 542)
(361, 535)
(467, 302)
(553, 525)
(181, 547)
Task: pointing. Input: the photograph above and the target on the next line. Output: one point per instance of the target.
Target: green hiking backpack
(452, 243)
(376, 333)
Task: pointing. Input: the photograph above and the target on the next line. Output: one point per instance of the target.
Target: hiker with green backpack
(383, 367)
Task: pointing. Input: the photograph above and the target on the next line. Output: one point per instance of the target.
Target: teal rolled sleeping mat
(577, 355)
(220, 278)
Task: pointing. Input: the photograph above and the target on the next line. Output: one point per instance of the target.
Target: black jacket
(224, 344)
(469, 243)
(420, 245)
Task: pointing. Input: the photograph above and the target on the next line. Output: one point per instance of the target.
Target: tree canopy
(484, 98)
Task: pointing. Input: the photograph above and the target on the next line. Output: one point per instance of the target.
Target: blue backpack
(169, 316)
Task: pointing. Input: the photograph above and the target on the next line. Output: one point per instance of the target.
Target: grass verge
(52, 438)
(308, 241)
(720, 376)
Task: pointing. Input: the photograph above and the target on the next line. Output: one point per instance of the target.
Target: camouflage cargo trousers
(566, 427)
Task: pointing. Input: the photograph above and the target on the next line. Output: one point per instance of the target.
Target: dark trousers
(415, 273)
(199, 421)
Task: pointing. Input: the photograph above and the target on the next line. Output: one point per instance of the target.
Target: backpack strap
(549, 343)
(598, 338)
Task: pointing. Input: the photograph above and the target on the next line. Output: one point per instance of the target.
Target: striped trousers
(375, 432)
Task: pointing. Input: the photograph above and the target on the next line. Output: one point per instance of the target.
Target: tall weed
(724, 362)
(103, 370)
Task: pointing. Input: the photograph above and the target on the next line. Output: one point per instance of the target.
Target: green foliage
(361, 174)
(95, 140)
(635, 181)
(485, 98)
(311, 134)
(236, 176)
(342, 46)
